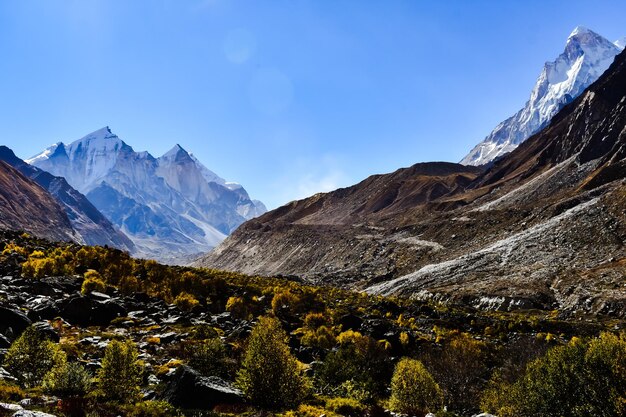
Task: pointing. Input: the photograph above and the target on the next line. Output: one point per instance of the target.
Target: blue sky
(287, 97)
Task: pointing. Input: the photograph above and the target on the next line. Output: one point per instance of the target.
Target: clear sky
(286, 97)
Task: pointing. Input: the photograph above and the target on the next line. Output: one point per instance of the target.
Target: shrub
(186, 301)
(359, 369)
(120, 375)
(579, 379)
(208, 357)
(31, 357)
(69, 379)
(237, 307)
(10, 392)
(151, 409)
(413, 389)
(270, 376)
(93, 282)
(468, 357)
(346, 407)
(305, 410)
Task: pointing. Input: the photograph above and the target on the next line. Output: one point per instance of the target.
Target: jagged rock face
(586, 56)
(24, 205)
(543, 227)
(90, 225)
(171, 207)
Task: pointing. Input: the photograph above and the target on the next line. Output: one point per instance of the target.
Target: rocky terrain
(543, 227)
(165, 334)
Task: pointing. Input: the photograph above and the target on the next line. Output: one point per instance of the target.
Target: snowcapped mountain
(90, 226)
(586, 56)
(171, 207)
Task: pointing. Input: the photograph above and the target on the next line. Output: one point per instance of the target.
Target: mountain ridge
(165, 205)
(90, 225)
(586, 56)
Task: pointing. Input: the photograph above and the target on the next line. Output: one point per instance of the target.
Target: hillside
(24, 205)
(543, 227)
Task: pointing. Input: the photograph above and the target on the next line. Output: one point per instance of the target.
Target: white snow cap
(620, 43)
(586, 56)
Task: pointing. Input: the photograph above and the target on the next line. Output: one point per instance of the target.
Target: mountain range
(586, 56)
(541, 227)
(89, 226)
(172, 207)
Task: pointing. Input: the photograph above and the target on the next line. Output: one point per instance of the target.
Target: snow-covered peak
(208, 175)
(176, 153)
(620, 43)
(579, 31)
(50, 152)
(586, 56)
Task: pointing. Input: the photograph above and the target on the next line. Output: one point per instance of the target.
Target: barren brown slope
(544, 213)
(24, 205)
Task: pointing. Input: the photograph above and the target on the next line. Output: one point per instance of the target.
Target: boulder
(188, 389)
(14, 320)
(85, 311)
(350, 322)
(29, 413)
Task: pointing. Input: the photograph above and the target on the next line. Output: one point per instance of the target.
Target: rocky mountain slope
(586, 56)
(543, 227)
(171, 207)
(90, 225)
(24, 205)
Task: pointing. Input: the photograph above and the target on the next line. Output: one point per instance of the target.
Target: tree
(31, 357)
(120, 375)
(270, 376)
(69, 379)
(575, 380)
(413, 389)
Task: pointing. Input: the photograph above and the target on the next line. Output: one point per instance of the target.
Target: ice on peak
(580, 30)
(620, 43)
(586, 56)
(175, 152)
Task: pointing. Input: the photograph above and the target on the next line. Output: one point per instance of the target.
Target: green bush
(69, 379)
(93, 282)
(9, 392)
(270, 376)
(31, 357)
(120, 375)
(151, 409)
(186, 301)
(208, 357)
(413, 389)
(348, 407)
(579, 379)
(359, 369)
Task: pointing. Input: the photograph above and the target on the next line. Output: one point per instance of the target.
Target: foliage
(578, 379)
(120, 375)
(69, 379)
(9, 392)
(151, 409)
(270, 376)
(237, 307)
(208, 357)
(305, 410)
(31, 357)
(413, 389)
(93, 282)
(467, 356)
(186, 301)
(346, 407)
(360, 368)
